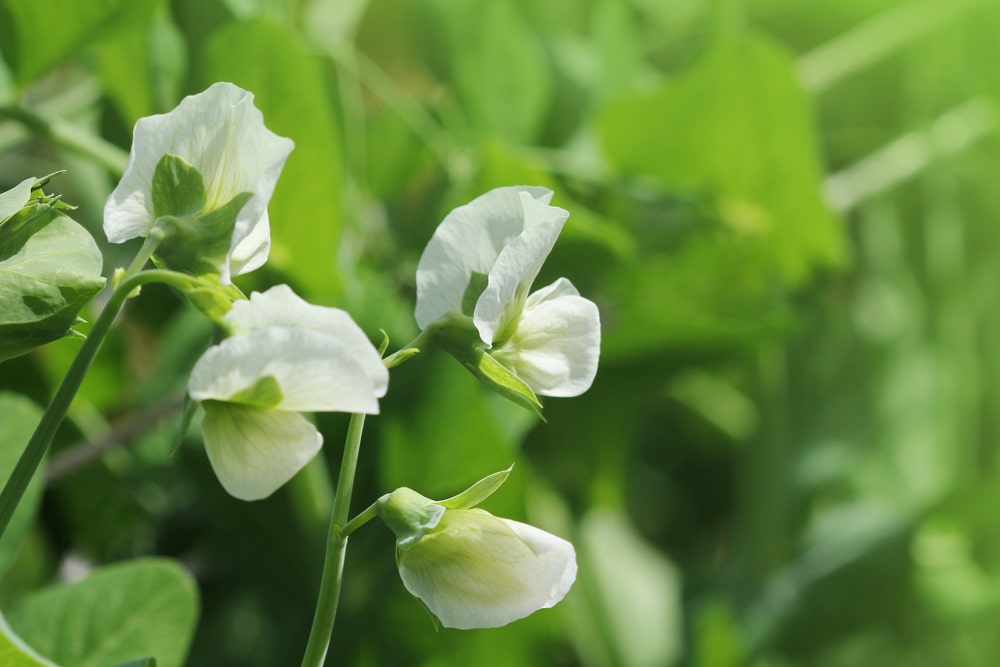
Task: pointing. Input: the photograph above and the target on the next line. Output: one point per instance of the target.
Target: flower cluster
(197, 184)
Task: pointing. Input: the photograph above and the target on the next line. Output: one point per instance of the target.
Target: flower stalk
(336, 549)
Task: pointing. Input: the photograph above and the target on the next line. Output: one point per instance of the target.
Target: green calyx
(194, 240)
(458, 335)
(411, 516)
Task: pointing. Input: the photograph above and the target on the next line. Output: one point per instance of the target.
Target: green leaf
(18, 419)
(289, 89)
(14, 199)
(629, 576)
(178, 188)
(145, 606)
(738, 127)
(141, 69)
(141, 662)
(478, 492)
(502, 76)
(15, 653)
(34, 36)
(50, 268)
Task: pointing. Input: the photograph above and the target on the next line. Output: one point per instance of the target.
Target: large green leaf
(739, 129)
(145, 607)
(289, 88)
(34, 36)
(18, 418)
(15, 653)
(50, 268)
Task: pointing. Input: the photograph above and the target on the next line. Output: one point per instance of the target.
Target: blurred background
(786, 210)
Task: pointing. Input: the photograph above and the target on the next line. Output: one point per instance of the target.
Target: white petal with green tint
(558, 342)
(468, 241)
(313, 372)
(499, 307)
(254, 452)
(281, 307)
(475, 570)
(221, 134)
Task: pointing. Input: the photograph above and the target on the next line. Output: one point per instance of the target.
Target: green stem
(66, 135)
(54, 414)
(408, 350)
(361, 519)
(336, 548)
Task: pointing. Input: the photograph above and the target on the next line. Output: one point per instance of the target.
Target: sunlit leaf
(37, 35)
(15, 653)
(502, 79)
(737, 128)
(143, 607)
(289, 89)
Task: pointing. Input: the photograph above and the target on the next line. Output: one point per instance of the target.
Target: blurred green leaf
(738, 128)
(502, 77)
(637, 590)
(143, 607)
(50, 268)
(15, 653)
(450, 434)
(142, 67)
(290, 90)
(34, 36)
(18, 419)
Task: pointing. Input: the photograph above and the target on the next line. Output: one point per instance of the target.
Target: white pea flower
(481, 263)
(221, 135)
(286, 356)
(472, 569)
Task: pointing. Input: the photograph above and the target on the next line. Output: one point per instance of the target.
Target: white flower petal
(558, 342)
(250, 253)
(475, 570)
(254, 452)
(468, 241)
(281, 307)
(220, 133)
(500, 304)
(314, 371)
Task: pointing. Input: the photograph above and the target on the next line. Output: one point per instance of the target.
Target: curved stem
(35, 450)
(361, 519)
(410, 349)
(336, 549)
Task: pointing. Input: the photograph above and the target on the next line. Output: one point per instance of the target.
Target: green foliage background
(786, 211)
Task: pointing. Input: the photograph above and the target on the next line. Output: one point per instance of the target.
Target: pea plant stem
(336, 549)
(56, 411)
